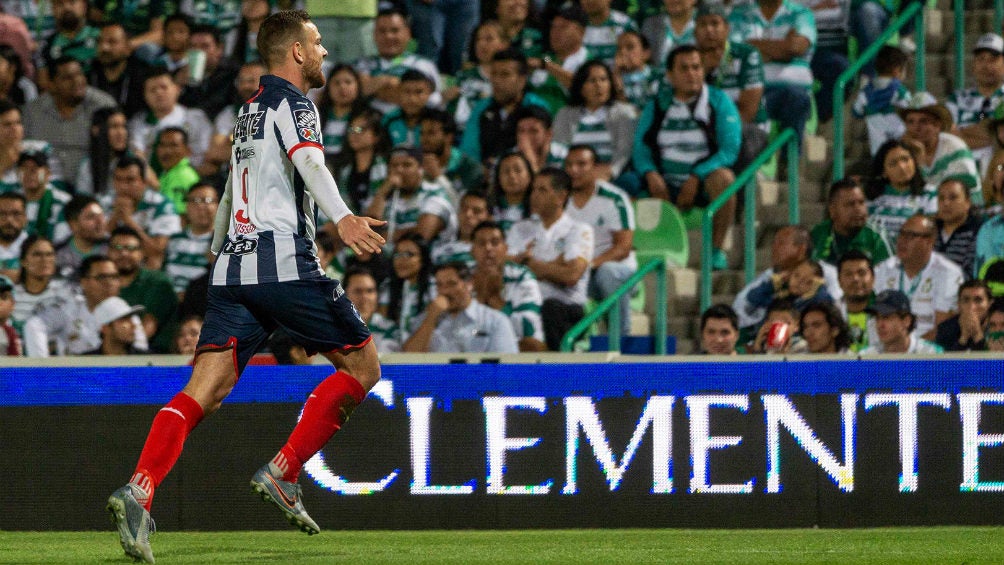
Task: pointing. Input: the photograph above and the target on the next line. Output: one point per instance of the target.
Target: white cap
(990, 42)
(112, 309)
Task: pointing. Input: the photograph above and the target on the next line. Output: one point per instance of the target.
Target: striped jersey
(522, 297)
(185, 258)
(411, 314)
(739, 69)
(608, 211)
(592, 130)
(451, 252)
(154, 213)
(954, 160)
(272, 218)
(474, 87)
(334, 133)
(892, 209)
(969, 107)
(682, 142)
(403, 211)
(378, 66)
(601, 40)
(45, 215)
(663, 38)
(640, 86)
(10, 255)
(747, 22)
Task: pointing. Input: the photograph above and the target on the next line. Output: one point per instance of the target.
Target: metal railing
(610, 306)
(748, 179)
(915, 11)
(959, 9)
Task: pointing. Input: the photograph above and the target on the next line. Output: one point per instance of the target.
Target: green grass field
(942, 546)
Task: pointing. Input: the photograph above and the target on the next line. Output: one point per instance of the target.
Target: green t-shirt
(153, 290)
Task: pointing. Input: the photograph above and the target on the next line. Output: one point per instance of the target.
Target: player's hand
(357, 232)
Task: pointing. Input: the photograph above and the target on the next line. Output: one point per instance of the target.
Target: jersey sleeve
(298, 126)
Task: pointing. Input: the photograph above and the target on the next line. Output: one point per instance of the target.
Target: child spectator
(803, 285)
(638, 80)
(878, 100)
(778, 334)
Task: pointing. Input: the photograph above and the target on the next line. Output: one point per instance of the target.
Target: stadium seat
(661, 232)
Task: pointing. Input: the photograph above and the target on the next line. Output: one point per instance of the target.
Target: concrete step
(691, 307)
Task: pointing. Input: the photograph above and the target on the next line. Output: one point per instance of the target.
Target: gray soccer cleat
(134, 523)
(285, 495)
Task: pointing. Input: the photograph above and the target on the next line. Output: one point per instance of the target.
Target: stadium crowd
(504, 142)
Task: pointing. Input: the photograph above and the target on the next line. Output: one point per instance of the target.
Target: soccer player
(265, 275)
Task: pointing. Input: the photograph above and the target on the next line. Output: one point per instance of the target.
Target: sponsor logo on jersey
(310, 134)
(240, 154)
(240, 247)
(249, 125)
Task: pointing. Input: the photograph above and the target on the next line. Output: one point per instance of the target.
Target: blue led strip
(79, 386)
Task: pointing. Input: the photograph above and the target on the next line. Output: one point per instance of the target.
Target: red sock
(170, 427)
(326, 410)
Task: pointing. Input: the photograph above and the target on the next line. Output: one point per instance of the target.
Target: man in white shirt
(608, 210)
(929, 279)
(456, 323)
(558, 250)
(895, 324)
(161, 94)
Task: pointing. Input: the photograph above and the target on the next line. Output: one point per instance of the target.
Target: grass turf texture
(942, 546)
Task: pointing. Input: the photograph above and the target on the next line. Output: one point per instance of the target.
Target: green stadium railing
(747, 178)
(913, 11)
(609, 306)
(959, 8)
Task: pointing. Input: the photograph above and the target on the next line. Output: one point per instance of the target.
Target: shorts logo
(240, 247)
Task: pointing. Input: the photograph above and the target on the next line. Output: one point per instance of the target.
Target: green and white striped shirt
(891, 210)
(601, 40)
(748, 22)
(185, 258)
(522, 297)
(741, 68)
(954, 160)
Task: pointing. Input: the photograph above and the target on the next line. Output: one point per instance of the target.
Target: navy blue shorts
(315, 313)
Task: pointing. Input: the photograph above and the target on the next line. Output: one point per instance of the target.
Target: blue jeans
(868, 21)
(443, 29)
(789, 105)
(827, 65)
(606, 279)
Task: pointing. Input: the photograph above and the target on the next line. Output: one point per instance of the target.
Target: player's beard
(312, 74)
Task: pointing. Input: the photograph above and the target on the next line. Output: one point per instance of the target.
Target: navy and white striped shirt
(272, 216)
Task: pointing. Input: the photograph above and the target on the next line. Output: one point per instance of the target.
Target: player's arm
(355, 231)
(221, 226)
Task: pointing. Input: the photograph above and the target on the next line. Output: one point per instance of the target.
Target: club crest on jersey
(249, 125)
(240, 247)
(305, 119)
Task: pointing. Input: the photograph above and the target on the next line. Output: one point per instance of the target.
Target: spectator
(13, 220)
(473, 82)
(361, 168)
(878, 100)
(897, 189)
(736, 69)
(10, 342)
(609, 211)
(895, 324)
(790, 247)
(824, 329)
(44, 201)
(403, 122)
(454, 322)
(115, 318)
(557, 249)
(857, 281)
(685, 142)
(109, 142)
(671, 29)
(957, 225)
(510, 197)
(639, 81)
(514, 17)
(869, 18)
(361, 289)
(970, 108)
(442, 28)
(780, 312)
(88, 236)
(142, 209)
(215, 90)
(15, 33)
(143, 22)
(597, 117)
(995, 327)
(965, 331)
(506, 286)
(941, 155)
(221, 16)
(803, 285)
(176, 174)
(63, 115)
(438, 135)
(39, 284)
(829, 58)
(719, 331)
(253, 13)
(188, 335)
(989, 246)
(116, 71)
(605, 26)
(148, 288)
(404, 295)
(15, 86)
(993, 179)
(552, 74)
(73, 36)
(491, 129)
(217, 159)
(846, 228)
(930, 280)
(410, 204)
(187, 254)
(785, 34)
(341, 98)
(173, 55)
(12, 132)
(67, 326)
(161, 95)
(381, 75)
(535, 138)
(473, 210)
